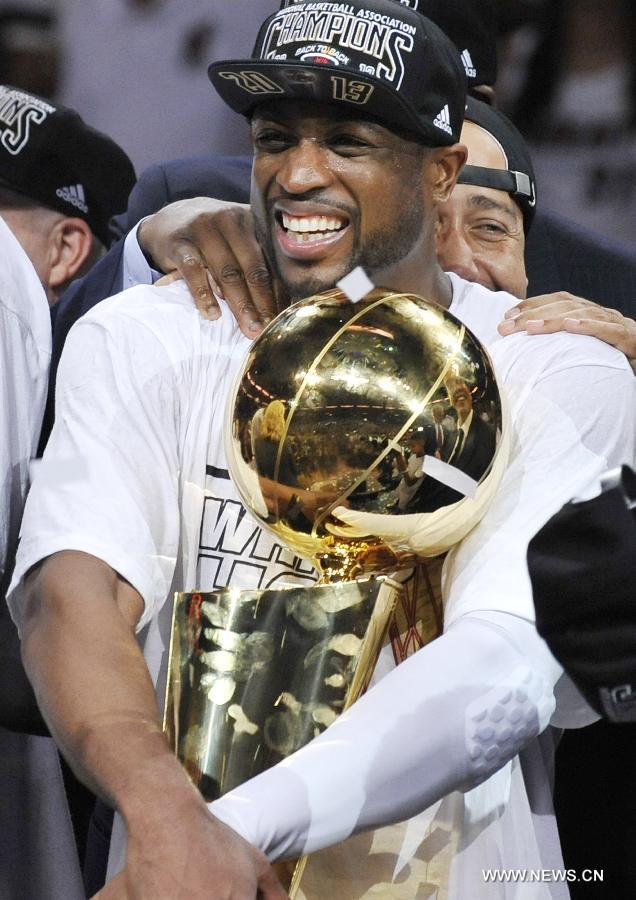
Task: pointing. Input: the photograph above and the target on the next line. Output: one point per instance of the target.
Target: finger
(236, 292)
(262, 291)
(191, 266)
(513, 313)
(517, 318)
(553, 322)
(528, 306)
(616, 334)
(509, 326)
(548, 306)
(547, 319)
(544, 326)
(563, 298)
(168, 279)
(241, 234)
(240, 269)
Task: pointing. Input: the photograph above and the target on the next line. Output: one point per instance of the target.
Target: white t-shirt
(140, 401)
(25, 354)
(35, 827)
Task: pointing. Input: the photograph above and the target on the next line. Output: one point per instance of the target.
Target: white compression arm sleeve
(444, 720)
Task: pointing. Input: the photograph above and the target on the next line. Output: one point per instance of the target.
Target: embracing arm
(212, 245)
(565, 312)
(97, 696)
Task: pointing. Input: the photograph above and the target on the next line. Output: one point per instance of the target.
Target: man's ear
(447, 164)
(70, 245)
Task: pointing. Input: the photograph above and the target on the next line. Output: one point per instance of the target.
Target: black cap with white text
(377, 57)
(472, 27)
(51, 156)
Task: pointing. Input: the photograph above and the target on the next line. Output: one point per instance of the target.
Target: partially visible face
(32, 226)
(330, 193)
(460, 397)
(438, 413)
(480, 234)
(416, 444)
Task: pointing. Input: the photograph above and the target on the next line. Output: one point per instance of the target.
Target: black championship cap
(472, 27)
(518, 179)
(582, 569)
(378, 57)
(49, 154)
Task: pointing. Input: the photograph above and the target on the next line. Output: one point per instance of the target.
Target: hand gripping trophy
(366, 435)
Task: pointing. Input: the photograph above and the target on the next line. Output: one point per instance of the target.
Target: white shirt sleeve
(108, 481)
(135, 265)
(25, 354)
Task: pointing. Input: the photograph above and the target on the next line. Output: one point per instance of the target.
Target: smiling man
(316, 229)
(355, 151)
(483, 225)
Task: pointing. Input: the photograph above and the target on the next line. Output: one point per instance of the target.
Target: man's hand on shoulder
(565, 312)
(213, 246)
(177, 850)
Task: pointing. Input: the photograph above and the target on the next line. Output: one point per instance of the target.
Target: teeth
(314, 224)
(305, 237)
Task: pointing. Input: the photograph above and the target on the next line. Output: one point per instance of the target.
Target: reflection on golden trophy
(363, 435)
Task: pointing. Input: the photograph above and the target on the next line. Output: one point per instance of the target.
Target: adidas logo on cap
(471, 71)
(73, 194)
(442, 120)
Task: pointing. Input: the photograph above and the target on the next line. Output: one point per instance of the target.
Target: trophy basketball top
(362, 434)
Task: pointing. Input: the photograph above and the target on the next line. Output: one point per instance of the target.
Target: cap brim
(243, 84)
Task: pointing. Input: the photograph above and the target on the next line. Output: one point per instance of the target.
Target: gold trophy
(335, 405)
